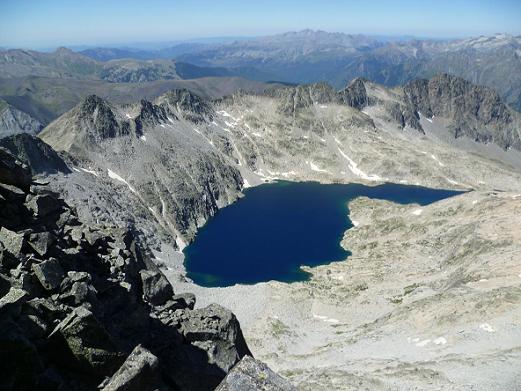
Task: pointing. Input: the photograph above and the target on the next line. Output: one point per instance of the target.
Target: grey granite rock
(139, 372)
(13, 242)
(91, 348)
(253, 375)
(49, 273)
(156, 288)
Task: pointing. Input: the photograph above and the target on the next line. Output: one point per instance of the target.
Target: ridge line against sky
(51, 23)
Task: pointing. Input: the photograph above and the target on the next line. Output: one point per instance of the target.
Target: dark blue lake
(277, 227)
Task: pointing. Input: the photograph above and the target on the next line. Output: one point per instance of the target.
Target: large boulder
(139, 372)
(49, 273)
(82, 339)
(12, 241)
(217, 331)
(13, 172)
(156, 288)
(253, 375)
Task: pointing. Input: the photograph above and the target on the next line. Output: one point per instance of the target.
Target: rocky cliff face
(14, 121)
(295, 98)
(35, 153)
(475, 111)
(355, 94)
(84, 306)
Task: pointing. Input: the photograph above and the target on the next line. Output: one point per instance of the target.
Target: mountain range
(110, 166)
(310, 56)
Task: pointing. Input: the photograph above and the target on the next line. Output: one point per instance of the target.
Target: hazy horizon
(45, 25)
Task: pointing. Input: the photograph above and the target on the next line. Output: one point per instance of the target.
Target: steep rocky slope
(33, 152)
(152, 153)
(84, 307)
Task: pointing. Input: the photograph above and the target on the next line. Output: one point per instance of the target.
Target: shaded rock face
(475, 111)
(295, 98)
(34, 152)
(138, 372)
(355, 95)
(189, 105)
(99, 118)
(252, 375)
(14, 121)
(13, 172)
(84, 306)
(149, 115)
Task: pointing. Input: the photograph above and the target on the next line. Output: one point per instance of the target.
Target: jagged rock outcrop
(189, 105)
(149, 115)
(14, 121)
(355, 94)
(84, 127)
(35, 153)
(474, 111)
(294, 98)
(13, 172)
(140, 371)
(81, 304)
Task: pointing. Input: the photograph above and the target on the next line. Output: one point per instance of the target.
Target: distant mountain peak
(190, 105)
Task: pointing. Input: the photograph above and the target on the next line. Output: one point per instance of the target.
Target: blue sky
(46, 23)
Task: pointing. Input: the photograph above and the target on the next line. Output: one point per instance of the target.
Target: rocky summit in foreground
(84, 308)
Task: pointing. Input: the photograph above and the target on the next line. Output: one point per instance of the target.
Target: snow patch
(224, 114)
(314, 167)
(423, 343)
(452, 181)
(439, 341)
(89, 171)
(355, 223)
(486, 327)
(246, 184)
(437, 161)
(143, 137)
(325, 318)
(417, 212)
(115, 176)
(355, 170)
